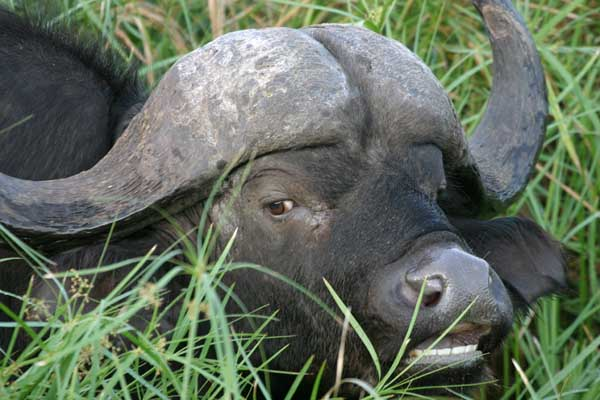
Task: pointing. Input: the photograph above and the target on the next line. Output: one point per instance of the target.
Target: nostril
(432, 292)
(430, 300)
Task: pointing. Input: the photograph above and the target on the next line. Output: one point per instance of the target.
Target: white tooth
(443, 352)
(429, 352)
(459, 350)
(415, 353)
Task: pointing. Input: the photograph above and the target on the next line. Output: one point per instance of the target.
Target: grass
(554, 352)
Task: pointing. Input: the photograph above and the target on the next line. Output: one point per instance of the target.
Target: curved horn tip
(507, 142)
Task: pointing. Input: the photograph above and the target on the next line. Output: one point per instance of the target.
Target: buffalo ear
(527, 259)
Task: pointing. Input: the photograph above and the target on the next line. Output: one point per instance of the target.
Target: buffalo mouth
(460, 349)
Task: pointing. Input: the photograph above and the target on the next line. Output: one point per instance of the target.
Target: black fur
(63, 100)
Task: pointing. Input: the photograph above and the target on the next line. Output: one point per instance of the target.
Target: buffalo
(359, 173)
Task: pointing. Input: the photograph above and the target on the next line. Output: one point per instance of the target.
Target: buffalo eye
(280, 207)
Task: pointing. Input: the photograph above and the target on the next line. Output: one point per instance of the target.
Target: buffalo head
(362, 175)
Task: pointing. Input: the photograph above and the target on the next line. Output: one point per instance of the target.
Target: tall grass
(554, 351)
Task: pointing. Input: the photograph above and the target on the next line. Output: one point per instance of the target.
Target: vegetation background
(554, 352)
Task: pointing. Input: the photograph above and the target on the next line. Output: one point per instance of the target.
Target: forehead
(327, 170)
(332, 171)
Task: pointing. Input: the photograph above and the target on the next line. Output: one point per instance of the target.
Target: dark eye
(281, 207)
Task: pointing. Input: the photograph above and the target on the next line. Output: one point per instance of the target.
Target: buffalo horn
(507, 142)
(235, 98)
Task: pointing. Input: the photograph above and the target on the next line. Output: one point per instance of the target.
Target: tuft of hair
(64, 98)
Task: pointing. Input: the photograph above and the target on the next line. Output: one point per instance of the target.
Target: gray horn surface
(245, 94)
(508, 140)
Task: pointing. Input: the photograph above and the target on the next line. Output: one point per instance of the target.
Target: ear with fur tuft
(527, 259)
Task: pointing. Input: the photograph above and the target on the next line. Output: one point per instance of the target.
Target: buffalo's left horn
(194, 123)
(507, 142)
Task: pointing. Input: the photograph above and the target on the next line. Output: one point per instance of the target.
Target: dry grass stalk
(216, 12)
